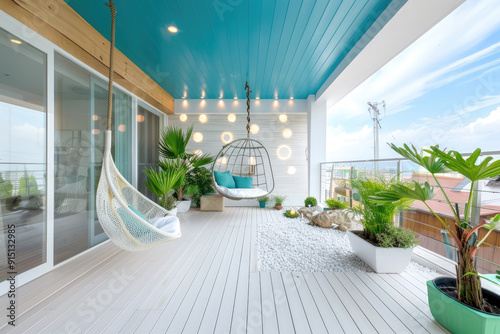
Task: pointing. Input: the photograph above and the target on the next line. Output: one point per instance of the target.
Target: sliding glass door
(80, 124)
(23, 219)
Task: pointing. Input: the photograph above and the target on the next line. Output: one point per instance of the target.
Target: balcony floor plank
(208, 282)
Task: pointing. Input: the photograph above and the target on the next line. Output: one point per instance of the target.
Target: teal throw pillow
(224, 179)
(242, 182)
(134, 210)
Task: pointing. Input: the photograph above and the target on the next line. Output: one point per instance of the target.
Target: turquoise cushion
(242, 182)
(224, 179)
(134, 210)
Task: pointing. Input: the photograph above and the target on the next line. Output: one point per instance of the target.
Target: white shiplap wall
(270, 135)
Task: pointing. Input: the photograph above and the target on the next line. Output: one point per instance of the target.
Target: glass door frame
(93, 239)
(29, 36)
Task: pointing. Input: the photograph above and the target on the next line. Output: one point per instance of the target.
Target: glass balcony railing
(335, 178)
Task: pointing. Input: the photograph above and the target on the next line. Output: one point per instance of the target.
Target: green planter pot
(262, 204)
(459, 318)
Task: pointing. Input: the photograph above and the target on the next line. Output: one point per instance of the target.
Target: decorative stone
(308, 212)
(323, 219)
(339, 219)
(343, 219)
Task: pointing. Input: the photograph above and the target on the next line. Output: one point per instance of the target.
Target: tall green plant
(172, 147)
(464, 229)
(377, 218)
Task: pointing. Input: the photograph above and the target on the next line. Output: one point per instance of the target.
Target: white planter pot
(381, 260)
(183, 206)
(172, 212)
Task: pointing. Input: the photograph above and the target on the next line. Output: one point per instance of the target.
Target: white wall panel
(270, 135)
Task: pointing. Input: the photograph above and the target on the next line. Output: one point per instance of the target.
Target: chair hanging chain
(111, 52)
(247, 87)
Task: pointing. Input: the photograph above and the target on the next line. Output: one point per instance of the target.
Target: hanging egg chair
(242, 169)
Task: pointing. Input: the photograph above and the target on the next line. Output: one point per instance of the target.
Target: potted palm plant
(381, 245)
(161, 182)
(172, 147)
(458, 303)
(278, 201)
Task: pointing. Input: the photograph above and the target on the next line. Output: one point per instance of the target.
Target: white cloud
(342, 145)
(430, 62)
(482, 132)
(358, 145)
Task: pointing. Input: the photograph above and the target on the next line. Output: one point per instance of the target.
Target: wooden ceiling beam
(60, 24)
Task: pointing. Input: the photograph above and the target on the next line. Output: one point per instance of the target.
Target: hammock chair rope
(247, 87)
(131, 220)
(247, 158)
(111, 6)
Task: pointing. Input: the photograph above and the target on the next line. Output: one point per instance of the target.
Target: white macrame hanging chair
(116, 197)
(247, 158)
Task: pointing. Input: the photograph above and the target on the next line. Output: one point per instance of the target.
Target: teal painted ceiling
(282, 48)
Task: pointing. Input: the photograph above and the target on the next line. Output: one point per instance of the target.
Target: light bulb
(287, 133)
(197, 137)
(254, 129)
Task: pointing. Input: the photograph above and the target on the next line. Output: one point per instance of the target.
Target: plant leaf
(398, 192)
(470, 167)
(431, 162)
(173, 142)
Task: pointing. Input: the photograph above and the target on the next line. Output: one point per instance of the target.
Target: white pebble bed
(291, 244)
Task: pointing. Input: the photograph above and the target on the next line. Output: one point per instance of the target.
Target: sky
(443, 89)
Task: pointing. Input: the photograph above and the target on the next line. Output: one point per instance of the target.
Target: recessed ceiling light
(16, 41)
(291, 97)
(235, 97)
(257, 98)
(173, 29)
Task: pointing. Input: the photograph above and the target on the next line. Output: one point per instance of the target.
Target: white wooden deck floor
(207, 282)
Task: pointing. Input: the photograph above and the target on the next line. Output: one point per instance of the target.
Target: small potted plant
(381, 245)
(458, 303)
(262, 201)
(310, 202)
(334, 204)
(278, 201)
